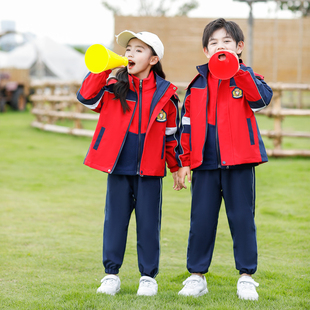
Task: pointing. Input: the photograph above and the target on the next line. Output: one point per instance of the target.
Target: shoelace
(108, 281)
(145, 283)
(248, 285)
(191, 283)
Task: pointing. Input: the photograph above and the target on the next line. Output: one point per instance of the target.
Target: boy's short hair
(231, 28)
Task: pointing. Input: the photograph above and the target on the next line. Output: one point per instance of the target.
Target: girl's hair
(121, 87)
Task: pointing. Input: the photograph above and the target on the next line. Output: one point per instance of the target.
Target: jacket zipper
(139, 129)
(216, 134)
(149, 123)
(206, 134)
(121, 148)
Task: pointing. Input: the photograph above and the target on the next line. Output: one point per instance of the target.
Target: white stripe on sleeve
(171, 130)
(186, 120)
(92, 106)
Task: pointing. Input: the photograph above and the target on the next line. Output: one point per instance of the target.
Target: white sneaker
(110, 285)
(194, 286)
(246, 288)
(147, 287)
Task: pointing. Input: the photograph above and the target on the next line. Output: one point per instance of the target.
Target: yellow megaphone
(99, 59)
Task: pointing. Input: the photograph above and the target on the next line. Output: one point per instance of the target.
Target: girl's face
(140, 58)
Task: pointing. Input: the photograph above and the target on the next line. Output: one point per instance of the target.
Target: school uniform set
(133, 148)
(221, 143)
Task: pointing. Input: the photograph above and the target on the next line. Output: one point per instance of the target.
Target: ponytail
(158, 69)
(121, 87)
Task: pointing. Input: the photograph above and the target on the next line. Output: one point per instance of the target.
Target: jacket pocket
(163, 150)
(98, 140)
(251, 133)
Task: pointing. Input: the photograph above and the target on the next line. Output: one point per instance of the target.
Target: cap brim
(124, 37)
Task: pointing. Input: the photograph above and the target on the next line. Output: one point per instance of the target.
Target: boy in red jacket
(220, 142)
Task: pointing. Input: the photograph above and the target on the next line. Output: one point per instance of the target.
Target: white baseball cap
(149, 38)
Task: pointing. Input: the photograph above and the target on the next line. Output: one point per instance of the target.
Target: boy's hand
(182, 173)
(234, 53)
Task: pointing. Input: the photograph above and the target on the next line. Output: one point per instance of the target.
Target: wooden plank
(289, 86)
(288, 153)
(60, 83)
(284, 112)
(296, 134)
(63, 129)
(53, 98)
(66, 114)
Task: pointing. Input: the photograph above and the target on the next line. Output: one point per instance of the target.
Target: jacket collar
(152, 80)
(148, 83)
(162, 86)
(203, 70)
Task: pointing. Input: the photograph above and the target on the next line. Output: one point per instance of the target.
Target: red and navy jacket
(139, 141)
(234, 138)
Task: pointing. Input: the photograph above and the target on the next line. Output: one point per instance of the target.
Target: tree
(150, 8)
(302, 7)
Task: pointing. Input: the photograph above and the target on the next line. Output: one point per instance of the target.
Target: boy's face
(221, 40)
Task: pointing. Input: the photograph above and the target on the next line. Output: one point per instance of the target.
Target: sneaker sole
(202, 293)
(205, 291)
(247, 297)
(141, 294)
(112, 294)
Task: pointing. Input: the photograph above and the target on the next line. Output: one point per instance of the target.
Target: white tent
(47, 59)
(3, 59)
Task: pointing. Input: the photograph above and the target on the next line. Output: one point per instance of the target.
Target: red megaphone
(223, 65)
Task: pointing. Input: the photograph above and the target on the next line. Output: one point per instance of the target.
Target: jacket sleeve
(185, 130)
(256, 91)
(172, 134)
(92, 89)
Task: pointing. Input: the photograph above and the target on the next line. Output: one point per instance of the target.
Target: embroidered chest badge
(162, 116)
(237, 93)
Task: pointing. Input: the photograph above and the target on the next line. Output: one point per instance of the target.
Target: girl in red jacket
(135, 136)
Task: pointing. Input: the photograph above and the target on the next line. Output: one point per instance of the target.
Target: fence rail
(276, 111)
(54, 101)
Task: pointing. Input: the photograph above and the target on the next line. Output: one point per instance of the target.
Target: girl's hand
(182, 173)
(175, 181)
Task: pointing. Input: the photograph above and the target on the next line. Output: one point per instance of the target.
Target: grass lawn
(51, 218)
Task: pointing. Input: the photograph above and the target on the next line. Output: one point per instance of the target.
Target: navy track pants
(237, 187)
(125, 194)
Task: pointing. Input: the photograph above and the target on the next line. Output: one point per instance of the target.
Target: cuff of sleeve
(174, 169)
(99, 78)
(107, 73)
(186, 163)
(104, 74)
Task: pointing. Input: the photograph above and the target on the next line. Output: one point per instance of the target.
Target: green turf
(51, 215)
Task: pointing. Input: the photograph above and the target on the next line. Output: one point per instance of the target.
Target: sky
(87, 22)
